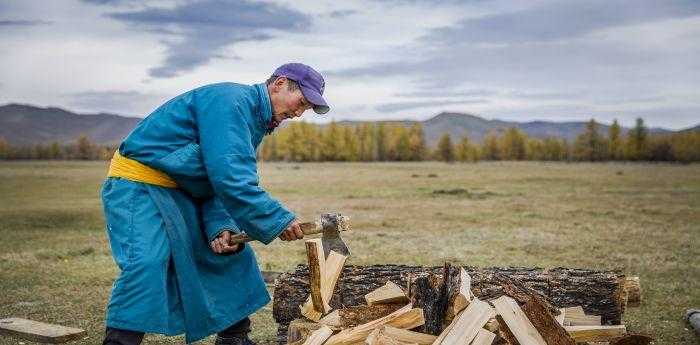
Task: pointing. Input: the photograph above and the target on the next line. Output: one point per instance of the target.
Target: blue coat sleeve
(223, 118)
(216, 219)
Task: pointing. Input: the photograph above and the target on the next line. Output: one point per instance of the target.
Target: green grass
(643, 219)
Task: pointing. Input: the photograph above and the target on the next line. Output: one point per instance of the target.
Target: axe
(329, 225)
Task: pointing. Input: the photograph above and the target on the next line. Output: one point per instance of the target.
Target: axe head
(332, 224)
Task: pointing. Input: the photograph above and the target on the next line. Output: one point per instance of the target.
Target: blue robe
(171, 282)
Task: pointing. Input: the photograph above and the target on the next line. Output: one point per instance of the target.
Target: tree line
(369, 142)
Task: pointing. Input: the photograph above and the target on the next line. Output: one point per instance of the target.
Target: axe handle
(308, 228)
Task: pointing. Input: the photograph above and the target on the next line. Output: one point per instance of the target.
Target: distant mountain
(26, 124)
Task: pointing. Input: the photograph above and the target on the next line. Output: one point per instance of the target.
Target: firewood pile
(402, 305)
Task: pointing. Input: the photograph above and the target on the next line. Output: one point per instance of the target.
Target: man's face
(286, 104)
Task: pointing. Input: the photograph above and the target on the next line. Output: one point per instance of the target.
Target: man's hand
(292, 232)
(222, 243)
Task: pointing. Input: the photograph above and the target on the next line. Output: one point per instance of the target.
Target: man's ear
(280, 81)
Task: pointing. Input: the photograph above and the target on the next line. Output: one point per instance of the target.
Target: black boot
(237, 334)
(114, 336)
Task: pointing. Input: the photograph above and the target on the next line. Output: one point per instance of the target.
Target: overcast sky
(511, 60)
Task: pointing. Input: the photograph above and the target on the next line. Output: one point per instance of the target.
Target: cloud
(342, 13)
(398, 106)
(558, 20)
(22, 22)
(196, 32)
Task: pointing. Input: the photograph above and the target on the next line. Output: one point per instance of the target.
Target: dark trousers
(116, 336)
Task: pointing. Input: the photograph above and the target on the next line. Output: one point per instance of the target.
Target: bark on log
(598, 292)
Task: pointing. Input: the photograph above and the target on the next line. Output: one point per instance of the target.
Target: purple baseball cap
(310, 82)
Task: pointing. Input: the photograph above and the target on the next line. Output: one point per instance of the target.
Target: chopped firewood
(300, 329)
(484, 337)
(388, 293)
(466, 324)
(595, 333)
(39, 331)
(575, 316)
(357, 315)
(378, 337)
(634, 291)
(331, 272)
(314, 254)
(519, 325)
(407, 336)
(319, 336)
(406, 318)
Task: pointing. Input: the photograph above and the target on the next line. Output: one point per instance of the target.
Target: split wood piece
(463, 295)
(314, 254)
(332, 269)
(484, 337)
(407, 336)
(634, 291)
(377, 337)
(562, 316)
(388, 293)
(319, 336)
(595, 333)
(300, 329)
(519, 325)
(466, 324)
(544, 322)
(406, 318)
(39, 331)
(575, 316)
(357, 315)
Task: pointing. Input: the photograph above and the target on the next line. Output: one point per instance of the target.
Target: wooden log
(406, 317)
(388, 293)
(575, 316)
(357, 315)
(316, 259)
(520, 326)
(466, 324)
(597, 291)
(484, 337)
(39, 331)
(319, 336)
(595, 333)
(332, 269)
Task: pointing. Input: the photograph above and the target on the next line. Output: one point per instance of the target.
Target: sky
(381, 59)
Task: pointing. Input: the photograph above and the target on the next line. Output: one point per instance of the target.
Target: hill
(25, 124)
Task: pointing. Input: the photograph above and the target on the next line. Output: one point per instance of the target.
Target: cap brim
(313, 97)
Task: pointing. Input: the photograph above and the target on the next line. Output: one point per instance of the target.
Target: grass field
(643, 219)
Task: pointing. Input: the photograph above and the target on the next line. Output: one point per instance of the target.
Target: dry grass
(643, 219)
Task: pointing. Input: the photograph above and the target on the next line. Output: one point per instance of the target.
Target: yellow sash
(132, 170)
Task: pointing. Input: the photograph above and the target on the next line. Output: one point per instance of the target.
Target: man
(180, 184)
